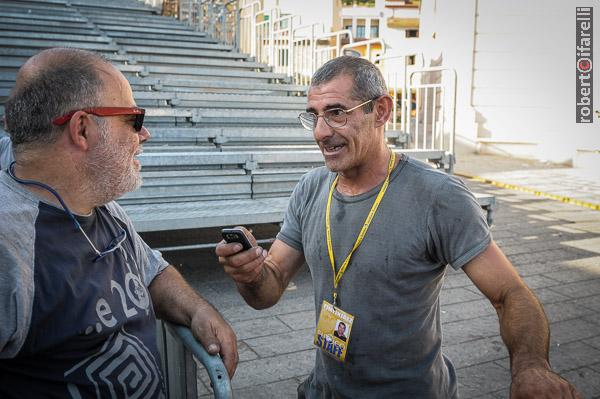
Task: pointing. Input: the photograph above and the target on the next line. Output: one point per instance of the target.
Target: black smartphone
(236, 235)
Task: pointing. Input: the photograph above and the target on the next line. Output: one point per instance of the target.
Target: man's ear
(79, 129)
(383, 110)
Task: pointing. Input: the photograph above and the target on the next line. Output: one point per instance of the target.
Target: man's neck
(66, 182)
(364, 178)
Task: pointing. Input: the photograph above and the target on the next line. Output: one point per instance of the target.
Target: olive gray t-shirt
(426, 220)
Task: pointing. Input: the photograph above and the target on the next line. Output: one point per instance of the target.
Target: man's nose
(322, 129)
(144, 134)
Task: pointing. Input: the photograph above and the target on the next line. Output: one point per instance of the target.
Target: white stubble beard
(110, 170)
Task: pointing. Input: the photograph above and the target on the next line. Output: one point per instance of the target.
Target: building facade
(516, 91)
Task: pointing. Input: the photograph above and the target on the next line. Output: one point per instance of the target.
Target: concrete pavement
(555, 247)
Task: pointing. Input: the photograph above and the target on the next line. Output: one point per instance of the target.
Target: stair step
(43, 44)
(53, 36)
(65, 18)
(172, 43)
(183, 52)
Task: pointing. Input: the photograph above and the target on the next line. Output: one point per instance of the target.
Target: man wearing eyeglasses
(79, 288)
(377, 230)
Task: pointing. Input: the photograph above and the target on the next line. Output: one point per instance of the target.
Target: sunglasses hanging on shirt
(112, 246)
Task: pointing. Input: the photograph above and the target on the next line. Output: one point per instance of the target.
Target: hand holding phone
(236, 235)
(243, 266)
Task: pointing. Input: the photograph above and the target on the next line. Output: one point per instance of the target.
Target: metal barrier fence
(435, 105)
(311, 48)
(218, 18)
(395, 70)
(247, 27)
(424, 101)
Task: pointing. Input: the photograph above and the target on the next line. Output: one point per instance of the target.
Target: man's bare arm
(523, 326)
(174, 300)
(261, 276)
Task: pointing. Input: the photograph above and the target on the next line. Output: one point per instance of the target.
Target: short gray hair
(68, 81)
(368, 80)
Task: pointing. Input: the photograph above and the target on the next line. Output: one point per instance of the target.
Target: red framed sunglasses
(107, 111)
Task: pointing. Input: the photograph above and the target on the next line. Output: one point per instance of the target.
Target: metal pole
(433, 119)
(271, 39)
(453, 110)
(238, 22)
(290, 59)
(313, 54)
(425, 115)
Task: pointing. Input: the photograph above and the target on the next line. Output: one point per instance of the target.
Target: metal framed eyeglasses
(335, 117)
(138, 122)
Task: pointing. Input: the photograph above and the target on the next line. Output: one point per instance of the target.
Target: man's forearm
(524, 329)
(173, 298)
(266, 290)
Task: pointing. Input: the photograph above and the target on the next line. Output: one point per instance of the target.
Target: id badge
(333, 331)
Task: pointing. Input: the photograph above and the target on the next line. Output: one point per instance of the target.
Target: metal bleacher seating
(226, 146)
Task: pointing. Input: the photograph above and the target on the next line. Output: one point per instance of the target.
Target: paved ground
(555, 247)
(552, 180)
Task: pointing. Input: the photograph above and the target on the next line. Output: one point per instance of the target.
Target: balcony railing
(403, 3)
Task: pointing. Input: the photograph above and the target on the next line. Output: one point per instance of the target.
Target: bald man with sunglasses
(80, 290)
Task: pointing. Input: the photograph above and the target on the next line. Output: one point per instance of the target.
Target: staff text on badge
(333, 331)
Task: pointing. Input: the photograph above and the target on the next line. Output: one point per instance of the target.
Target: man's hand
(541, 383)
(216, 336)
(243, 267)
(261, 276)
(174, 300)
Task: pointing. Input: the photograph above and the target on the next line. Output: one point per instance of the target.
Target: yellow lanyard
(337, 277)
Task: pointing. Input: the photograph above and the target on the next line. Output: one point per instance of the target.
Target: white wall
(452, 23)
(310, 11)
(521, 83)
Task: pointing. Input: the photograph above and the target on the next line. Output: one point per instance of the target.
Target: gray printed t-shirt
(426, 220)
(69, 326)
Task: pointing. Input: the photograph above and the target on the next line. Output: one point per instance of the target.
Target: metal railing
(297, 50)
(153, 3)
(247, 27)
(395, 70)
(218, 18)
(424, 102)
(369, 49)
(311, 48)
(434, 91)
(181, 356)
(281, 43)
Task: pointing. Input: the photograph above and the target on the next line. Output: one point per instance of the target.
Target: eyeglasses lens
(308, 120)
(138, 122)
(113, 245)
(335, 117)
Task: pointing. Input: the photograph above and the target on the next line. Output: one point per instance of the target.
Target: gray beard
(106, 178)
